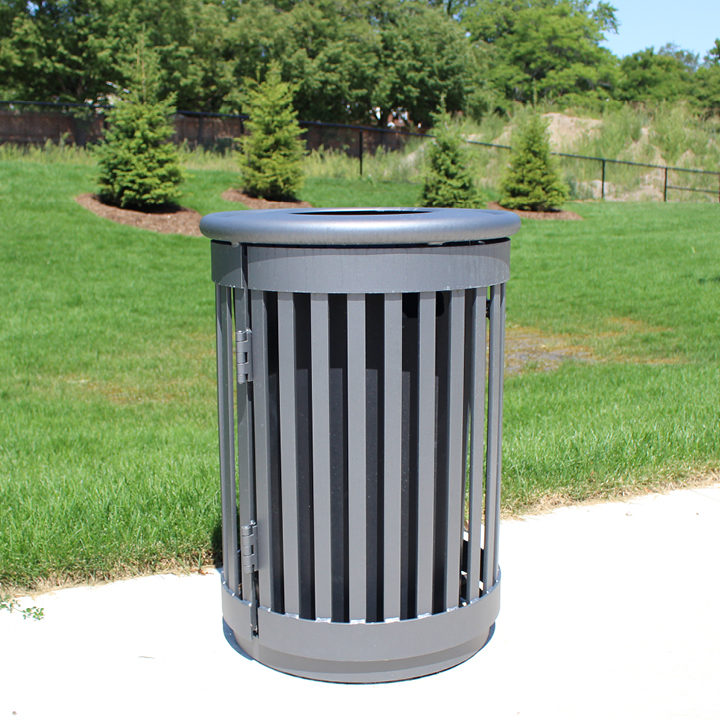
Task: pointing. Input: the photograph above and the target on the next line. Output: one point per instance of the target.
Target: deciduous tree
(545, 49)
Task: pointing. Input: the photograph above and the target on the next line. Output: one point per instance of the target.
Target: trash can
(360, 407)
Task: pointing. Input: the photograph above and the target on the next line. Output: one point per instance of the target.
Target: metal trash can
(360, 406)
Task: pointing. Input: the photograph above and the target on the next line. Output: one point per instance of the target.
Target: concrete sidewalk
(607, 611)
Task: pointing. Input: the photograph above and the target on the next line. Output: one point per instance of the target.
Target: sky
(691, 24)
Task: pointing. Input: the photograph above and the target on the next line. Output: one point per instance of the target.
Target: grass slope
(108, 448)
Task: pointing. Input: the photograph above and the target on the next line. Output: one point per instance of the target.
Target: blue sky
(691, 24)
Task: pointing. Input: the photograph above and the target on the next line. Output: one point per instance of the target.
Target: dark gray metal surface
(262, 447)
(364, 652)
(364, 270)
(224, 340)
(368, 467)
(357, 458)
(494, 434)
(456, 463)
(426, 450)
(474, 434)
(320, 353)
(246, 488)
(359, 226)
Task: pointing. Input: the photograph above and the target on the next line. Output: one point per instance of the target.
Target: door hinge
(248, 552)
(243, 350)
(248, 564)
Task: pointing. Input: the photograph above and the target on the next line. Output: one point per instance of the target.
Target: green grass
(108, 448)
(639, 285)
(326, 192)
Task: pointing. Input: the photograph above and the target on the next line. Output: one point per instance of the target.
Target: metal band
(364, 652)
(364, 270)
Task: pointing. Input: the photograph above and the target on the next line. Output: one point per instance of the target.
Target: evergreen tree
(271, 161)
(531, 181)
(447, 180)
(139, 168)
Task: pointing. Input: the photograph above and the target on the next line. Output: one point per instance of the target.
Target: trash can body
(360, 364)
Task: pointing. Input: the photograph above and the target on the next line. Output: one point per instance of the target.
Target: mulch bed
(254, 203)
(178, 222)
(184, 221)
(554, 215)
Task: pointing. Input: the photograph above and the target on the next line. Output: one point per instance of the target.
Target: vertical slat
(498, 439)
(246, 489)
(261, 411)
(226, 425)
(495, 379)
(320, 358)
(476, 353)
(288, 451)
(426, 450)
(392, 469)
(455, 445)
(357, 476)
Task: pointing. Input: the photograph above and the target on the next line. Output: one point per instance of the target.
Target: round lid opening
(359, 212)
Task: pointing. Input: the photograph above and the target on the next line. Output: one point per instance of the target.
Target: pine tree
(139, 168)
(271, 161)
(447, 180)
(531, 181)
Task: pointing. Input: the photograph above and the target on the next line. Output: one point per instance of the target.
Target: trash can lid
(359, 226)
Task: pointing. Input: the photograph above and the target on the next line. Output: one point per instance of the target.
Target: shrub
(447, 180)
(139, 168)
(531, 181)
(271, 161)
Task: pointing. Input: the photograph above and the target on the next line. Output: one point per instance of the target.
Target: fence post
(602, 182)
(665, 187)
(360, 150)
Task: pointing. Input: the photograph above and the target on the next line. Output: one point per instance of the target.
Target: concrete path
(608, 611)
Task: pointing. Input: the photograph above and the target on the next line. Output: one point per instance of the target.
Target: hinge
(243, 350)
(248, 554)
(248, 564)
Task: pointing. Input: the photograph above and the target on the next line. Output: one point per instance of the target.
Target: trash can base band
(385, 671)
(363, 652)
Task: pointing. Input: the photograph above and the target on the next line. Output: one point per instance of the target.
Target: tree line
(347, 60)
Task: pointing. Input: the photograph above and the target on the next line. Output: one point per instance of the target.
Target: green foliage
(618, 131)
(139, 167)
(647, 76)
(109, 465)
(426, 59)
(326, 49)
(707, 88)
(532, 182)
(545, 49)
(345, 57)
(271, 161)
(349, 60)
(447, 180)
(57, 49)
(12, 605)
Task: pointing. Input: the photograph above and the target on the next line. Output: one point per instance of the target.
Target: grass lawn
(108, 447)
